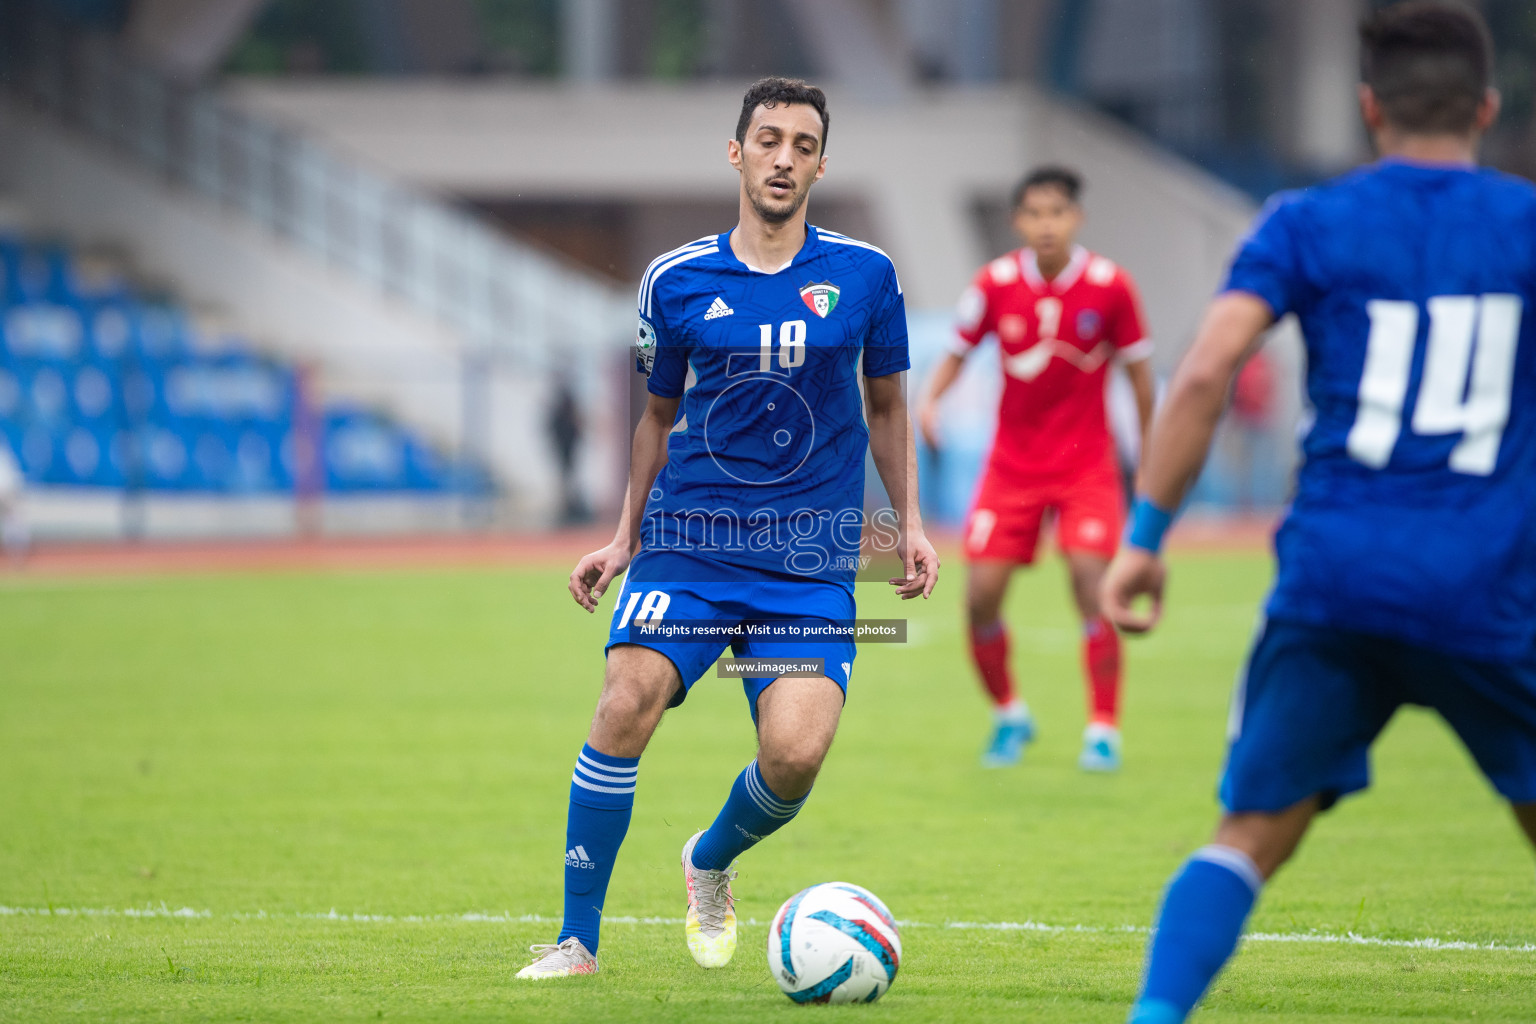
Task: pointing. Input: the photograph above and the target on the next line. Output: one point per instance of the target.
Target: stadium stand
(400, 302)
(101, 386)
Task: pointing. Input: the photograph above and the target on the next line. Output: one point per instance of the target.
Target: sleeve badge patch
(645, 347)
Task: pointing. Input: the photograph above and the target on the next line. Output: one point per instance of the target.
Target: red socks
(989, 648)
(1101, 663)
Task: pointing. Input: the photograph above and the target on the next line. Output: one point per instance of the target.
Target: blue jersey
(766, 464)
(1416, 500)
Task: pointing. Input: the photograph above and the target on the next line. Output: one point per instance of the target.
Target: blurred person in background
(563, 426)
(1406, 571)
(1245, 439)
(1063, 316)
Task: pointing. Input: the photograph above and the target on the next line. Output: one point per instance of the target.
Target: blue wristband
(1148, 524)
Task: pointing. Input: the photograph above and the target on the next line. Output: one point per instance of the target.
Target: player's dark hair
(772, 91)
(1050, 176)
(1429, 65)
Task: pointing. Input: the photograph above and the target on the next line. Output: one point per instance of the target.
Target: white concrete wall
(100, 514)
(920, 164)
(367, 346)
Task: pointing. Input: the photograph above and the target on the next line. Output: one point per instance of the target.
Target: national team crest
(822, 298)
(1088, 323)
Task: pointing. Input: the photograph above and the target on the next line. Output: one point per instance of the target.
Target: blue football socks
(751, 812)
(1201, 920)
(602, 799)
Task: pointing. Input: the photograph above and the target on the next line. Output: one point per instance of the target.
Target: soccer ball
(834, 943)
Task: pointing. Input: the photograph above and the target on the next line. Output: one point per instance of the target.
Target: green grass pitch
(396, 747)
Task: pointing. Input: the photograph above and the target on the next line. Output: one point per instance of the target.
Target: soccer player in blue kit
(1407, 561)
(744, 508)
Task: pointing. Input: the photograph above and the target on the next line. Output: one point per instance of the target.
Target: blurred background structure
(344, 265)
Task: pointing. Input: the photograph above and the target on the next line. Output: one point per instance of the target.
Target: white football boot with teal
(1013, 729)
(1101, 749)
(711, 921)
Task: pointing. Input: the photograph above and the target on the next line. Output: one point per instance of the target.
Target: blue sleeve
(660, 354)
(1267, 263)
(885, 345)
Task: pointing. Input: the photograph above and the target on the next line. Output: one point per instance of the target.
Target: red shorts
(1005, 520)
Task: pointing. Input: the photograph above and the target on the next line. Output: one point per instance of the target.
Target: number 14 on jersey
(1447, 404)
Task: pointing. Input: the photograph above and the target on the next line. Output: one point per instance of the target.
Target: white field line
(475, 917)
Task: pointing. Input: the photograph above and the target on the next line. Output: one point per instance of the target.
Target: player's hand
(921, 564)
(928, 423)
(594, 572)
(1135, 572)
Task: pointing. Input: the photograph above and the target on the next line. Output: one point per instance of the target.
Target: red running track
(558, 549)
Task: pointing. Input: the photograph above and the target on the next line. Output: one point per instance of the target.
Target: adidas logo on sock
(718, 308)
(577, 858)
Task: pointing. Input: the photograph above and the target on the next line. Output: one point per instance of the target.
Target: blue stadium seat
(111, 329)
(43, 330)
(95, 395)
(361, 453)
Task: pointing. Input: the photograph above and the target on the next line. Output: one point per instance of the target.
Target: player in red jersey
(1062, 316)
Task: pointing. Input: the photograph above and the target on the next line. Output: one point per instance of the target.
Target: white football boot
(711, 921)
(561, 960)
(1101, 749)
(1012, 731)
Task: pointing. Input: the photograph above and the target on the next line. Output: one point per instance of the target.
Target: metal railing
(504, 299)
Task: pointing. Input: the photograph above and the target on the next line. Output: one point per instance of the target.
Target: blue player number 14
(1447, 403)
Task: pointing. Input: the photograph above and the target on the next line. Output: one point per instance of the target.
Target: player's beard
(775, 211)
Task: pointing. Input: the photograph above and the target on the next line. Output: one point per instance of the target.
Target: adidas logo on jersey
(718, 308)
(577, 858)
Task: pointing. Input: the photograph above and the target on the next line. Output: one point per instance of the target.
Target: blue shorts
(677, 588)
(1313, 699)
